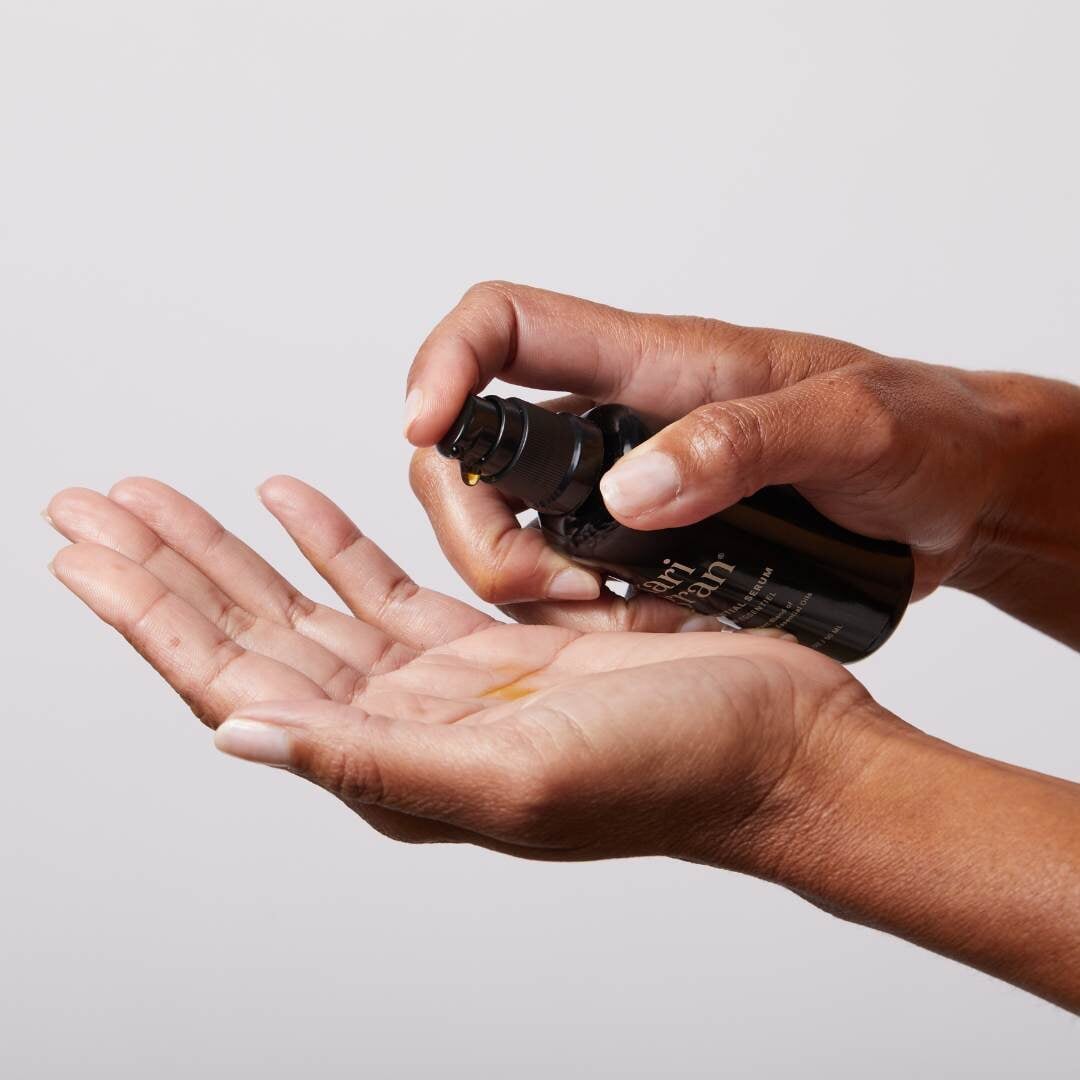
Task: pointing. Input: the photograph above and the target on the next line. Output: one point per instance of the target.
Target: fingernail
(47, 517)
(700, 622)
(637, 484)
(571, 584)
(255, 741)
(51, 567)
(414, 403)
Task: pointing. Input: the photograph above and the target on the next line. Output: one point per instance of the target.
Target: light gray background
(224, 228)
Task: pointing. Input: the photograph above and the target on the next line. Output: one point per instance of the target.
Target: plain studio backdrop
(224, 229)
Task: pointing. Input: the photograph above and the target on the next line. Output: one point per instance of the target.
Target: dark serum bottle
(769, 560)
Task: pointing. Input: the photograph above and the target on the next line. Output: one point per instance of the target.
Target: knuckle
(792, 356)
(225, 654)
(488, 587)
(508, 569)
(780, 357)
(401, 590)
(235, 621)
(869, 398)
(734, 434)
(295, 608)
(354, 778)
(493, 288)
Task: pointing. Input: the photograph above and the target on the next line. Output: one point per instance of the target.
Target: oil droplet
(471, 478)
(511, 692)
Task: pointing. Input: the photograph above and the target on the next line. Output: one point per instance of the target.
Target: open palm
(429, 717)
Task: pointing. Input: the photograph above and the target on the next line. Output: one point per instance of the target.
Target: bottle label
(702, 589)
(770, 561)
(706, 588)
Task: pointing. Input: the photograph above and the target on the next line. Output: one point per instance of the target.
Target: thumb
(817, 431)
(451, 773)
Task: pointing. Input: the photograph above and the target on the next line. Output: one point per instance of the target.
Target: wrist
(1032, 450)
(784, 835)
(973, 858)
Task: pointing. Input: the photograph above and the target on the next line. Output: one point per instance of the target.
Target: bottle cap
(550, 461)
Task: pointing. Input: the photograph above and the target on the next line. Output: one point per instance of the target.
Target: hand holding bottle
(966, 467)
(769, 563)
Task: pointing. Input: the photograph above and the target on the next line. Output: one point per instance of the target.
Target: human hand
(438, 723)
(890, 448)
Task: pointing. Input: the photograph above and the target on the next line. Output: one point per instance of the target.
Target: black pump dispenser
(550, 461)
(769, 560)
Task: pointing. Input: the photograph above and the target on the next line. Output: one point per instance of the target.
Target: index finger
(546, 340)
(662, 365)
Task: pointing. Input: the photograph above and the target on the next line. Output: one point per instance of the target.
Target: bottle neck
(550, 461)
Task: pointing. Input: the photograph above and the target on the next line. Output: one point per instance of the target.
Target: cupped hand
(890, 448)
(436, 722)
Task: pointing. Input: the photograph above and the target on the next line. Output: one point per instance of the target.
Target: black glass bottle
(769, 560)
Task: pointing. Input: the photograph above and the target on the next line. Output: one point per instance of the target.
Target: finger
(480, 535)
(83, 515)
(213, 674)
(541, 339)
(374, 587)
(470, 777)
(209, 670)
(250, 582)
(499, 560)
(825, 431)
